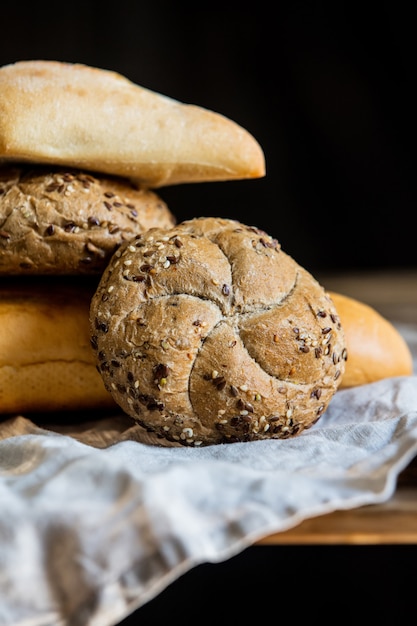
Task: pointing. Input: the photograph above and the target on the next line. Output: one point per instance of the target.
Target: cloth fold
(96, 520)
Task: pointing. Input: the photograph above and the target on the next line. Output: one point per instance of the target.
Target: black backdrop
(327, 90)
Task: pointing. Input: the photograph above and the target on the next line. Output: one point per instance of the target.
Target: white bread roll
(375, 348)
(90, 118)
(46, 361)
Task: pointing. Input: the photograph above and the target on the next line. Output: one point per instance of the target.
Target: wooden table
(394, 295)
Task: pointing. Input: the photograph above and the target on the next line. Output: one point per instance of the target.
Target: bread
(47, 364)
(89, 118)
(81, 150)
(209, 333)
(66, 221)
(46, 361)
(376, 349)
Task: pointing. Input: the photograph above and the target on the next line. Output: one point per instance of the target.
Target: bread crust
(376, 349)
(66, 221)
(54, 368)
(209, 333)
(46, 361)
(74, 115)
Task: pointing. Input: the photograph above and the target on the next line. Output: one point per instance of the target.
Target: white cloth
(89, 532)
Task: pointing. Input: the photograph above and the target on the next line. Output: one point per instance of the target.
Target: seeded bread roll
(60, 221)
(375, 347)
(46, 361)
(75, 115)
(209, 333)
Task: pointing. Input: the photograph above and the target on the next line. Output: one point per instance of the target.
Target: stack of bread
(203, 332)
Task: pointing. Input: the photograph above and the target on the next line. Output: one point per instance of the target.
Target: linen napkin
(96, 520)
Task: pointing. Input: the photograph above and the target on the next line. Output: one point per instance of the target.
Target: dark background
(326, 88)
(328, 91)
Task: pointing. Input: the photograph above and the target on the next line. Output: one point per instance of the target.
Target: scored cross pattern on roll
(209, 333)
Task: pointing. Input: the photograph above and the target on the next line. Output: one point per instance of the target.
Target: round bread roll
(376, 349)
(61, 221)
(46, 361)
(209, 333)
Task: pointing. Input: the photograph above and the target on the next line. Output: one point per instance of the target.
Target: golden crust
(90, 118)
(376, 349)
(46, 361)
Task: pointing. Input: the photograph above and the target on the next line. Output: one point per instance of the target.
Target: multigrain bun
(375, 347)
(66, 221)
(75, 115)
(46, 362)
(209, 333)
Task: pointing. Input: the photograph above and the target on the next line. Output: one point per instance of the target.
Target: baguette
(85, 117)
(46, 362)
(376, 349)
